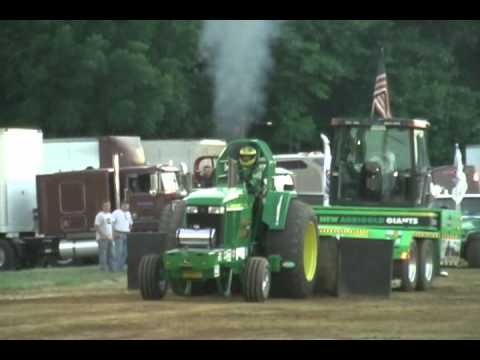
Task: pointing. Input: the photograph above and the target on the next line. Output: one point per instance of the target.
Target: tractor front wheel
(425, 265)
(409, 270)
(257, 280)
(152, 278)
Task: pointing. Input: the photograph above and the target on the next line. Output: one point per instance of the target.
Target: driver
(248, 170)
(206, 180)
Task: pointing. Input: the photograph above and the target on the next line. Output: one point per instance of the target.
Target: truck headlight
(192, 210)
(216, 210)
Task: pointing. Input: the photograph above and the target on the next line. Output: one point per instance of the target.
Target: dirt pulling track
(105, 310)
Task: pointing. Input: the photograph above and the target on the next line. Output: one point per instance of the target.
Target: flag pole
(372, 114)
(381, 96)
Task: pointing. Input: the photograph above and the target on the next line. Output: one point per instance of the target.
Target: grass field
(83, 303)
(49, 279)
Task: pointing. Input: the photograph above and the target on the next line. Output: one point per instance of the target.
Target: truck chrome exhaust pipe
(77, 249)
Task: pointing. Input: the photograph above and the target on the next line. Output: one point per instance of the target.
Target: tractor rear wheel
(409, 270)
(425, 265)
(473, 253)
(257, 280)
(297, 244)
(170, 220)
(7, 256)
(152, 278)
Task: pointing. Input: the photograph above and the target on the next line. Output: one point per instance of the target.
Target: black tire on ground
(425, 265)
(409, 270)
(8, 259)
(151, 278)
(171, 219)
(258, 280)
(198, 288)
(472, 254)
(290, 245)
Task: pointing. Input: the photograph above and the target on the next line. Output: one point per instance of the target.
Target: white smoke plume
(239, 55)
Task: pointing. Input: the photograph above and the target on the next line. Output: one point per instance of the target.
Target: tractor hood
(215, 196)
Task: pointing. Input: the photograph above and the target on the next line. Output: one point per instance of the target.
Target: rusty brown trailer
(68, 202)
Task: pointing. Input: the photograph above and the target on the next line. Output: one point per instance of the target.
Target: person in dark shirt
(206, 180)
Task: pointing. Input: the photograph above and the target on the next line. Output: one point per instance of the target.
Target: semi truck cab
(148, 190)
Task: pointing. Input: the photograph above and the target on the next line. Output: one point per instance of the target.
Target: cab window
(139, 183)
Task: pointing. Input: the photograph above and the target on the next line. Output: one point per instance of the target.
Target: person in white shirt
(122, 224)
(103, 227)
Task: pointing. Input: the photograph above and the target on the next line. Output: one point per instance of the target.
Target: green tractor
(245, 234)
(380, 191)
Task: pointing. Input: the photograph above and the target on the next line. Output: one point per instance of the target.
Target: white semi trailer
(473, 156)
(73, 154)
(21, 154)
(181, 151)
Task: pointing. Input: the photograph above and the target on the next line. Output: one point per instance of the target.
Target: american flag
(381, 97)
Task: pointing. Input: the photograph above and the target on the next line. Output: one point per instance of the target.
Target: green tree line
(147, 78)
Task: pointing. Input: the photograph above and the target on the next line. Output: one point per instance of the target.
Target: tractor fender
(275, 209)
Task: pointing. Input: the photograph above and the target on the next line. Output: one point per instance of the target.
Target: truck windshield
(139, 183)
(372, 164)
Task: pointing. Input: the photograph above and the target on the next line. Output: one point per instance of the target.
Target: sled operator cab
(382, 163)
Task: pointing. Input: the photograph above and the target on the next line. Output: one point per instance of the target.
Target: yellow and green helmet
(248, 156)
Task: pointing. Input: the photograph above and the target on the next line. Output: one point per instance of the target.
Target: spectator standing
(122, 225)
(103, 227)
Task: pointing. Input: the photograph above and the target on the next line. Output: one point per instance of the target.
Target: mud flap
(365, 267)
(139, 245)
(355, 267)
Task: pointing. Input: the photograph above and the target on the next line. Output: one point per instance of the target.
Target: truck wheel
(257, 280)
(298, 244)
(170, 220)
(152, 278)
(8, 260)
(198, 288)
(473, 253)
(425, 265)
(409, 270)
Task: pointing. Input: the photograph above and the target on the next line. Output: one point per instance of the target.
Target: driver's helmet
(248, 156)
